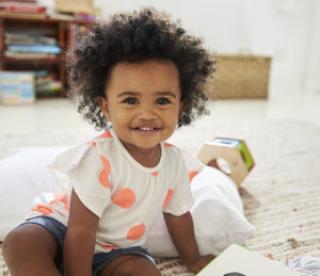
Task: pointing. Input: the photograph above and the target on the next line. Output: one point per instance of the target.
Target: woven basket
(240, 76)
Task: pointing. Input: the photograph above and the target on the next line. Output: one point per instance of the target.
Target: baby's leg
(30, 250)
(132, 265)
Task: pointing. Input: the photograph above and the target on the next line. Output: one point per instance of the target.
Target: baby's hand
(201, 263)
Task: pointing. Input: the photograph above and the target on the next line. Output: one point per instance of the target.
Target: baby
(138, 76)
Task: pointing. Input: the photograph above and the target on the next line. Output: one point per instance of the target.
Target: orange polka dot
(61, 198)
(104, 176)
(104, 179)
(136, 232)
(154, 173)
(168, 198)
(105, 135)
(168, 145)
(192, 174)
(107, 246)
(105, 162)
(43, 209)
(92, 143)
(124, 198)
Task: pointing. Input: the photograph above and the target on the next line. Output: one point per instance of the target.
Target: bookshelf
(38, 43)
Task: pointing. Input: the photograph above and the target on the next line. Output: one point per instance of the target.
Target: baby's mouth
(146, 129)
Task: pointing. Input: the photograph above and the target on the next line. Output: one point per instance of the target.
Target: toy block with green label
(238, 261)
(232, 155)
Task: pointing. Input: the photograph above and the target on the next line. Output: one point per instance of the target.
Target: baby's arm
(80, 239)
(182, 233)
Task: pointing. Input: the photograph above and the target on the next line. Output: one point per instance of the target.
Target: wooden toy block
(233, 151)
(239, 261)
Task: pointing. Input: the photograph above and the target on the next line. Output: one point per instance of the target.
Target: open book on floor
(238, 261)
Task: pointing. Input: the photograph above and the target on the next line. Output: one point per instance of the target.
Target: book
(239, 261)
(47, 84)
(49, 49)
(22, 15)
(20, 7)
(16, 87)
(21, 1)
(30, 56)
(28, 38)
(44, 31)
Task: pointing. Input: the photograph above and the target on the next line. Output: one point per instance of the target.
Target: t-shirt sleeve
(193, 164)
(90, 180)
(182, 200)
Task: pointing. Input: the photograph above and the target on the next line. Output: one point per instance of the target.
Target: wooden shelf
(11, 60)
(63, 28)
(54, 18)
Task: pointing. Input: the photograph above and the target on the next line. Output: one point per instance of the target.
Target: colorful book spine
(16, 88)
(15, 7)
(49, 49)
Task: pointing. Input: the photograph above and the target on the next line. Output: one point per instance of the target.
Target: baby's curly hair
(137, 37)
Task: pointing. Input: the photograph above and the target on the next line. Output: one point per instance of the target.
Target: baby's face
(143, 102)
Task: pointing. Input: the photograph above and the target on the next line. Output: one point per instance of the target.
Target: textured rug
(281, 195)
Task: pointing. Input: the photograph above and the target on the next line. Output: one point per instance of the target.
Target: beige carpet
(281, 196)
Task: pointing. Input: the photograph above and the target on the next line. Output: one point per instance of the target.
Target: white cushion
(217, 212)
(217, 215)
(23, 176)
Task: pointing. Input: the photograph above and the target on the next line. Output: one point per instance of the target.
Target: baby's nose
(146, 113)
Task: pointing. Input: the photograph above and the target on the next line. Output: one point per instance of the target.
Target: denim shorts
(100, 260)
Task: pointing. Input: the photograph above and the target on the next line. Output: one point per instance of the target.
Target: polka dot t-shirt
(126, 196)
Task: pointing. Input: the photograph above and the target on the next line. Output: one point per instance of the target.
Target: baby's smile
(144, 129)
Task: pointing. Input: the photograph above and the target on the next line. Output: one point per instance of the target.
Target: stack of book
(25, 7)
(23, 87)
(16, 88)
(31, 44)
(47, 84)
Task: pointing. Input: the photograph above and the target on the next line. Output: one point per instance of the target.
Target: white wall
(312, 69)
(283, 29)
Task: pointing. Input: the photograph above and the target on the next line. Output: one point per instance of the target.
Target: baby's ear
(181, 107)
(103, 104)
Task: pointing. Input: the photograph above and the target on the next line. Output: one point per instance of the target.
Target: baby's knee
(30, 250)
(11, 240)
(11, 246)
(24, 239)
(15, 241)
(137, 266)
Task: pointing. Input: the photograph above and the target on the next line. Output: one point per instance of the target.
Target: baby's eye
(163, 101)
(130, 100)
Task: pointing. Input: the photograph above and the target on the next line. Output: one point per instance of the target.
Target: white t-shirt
(126, 196)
